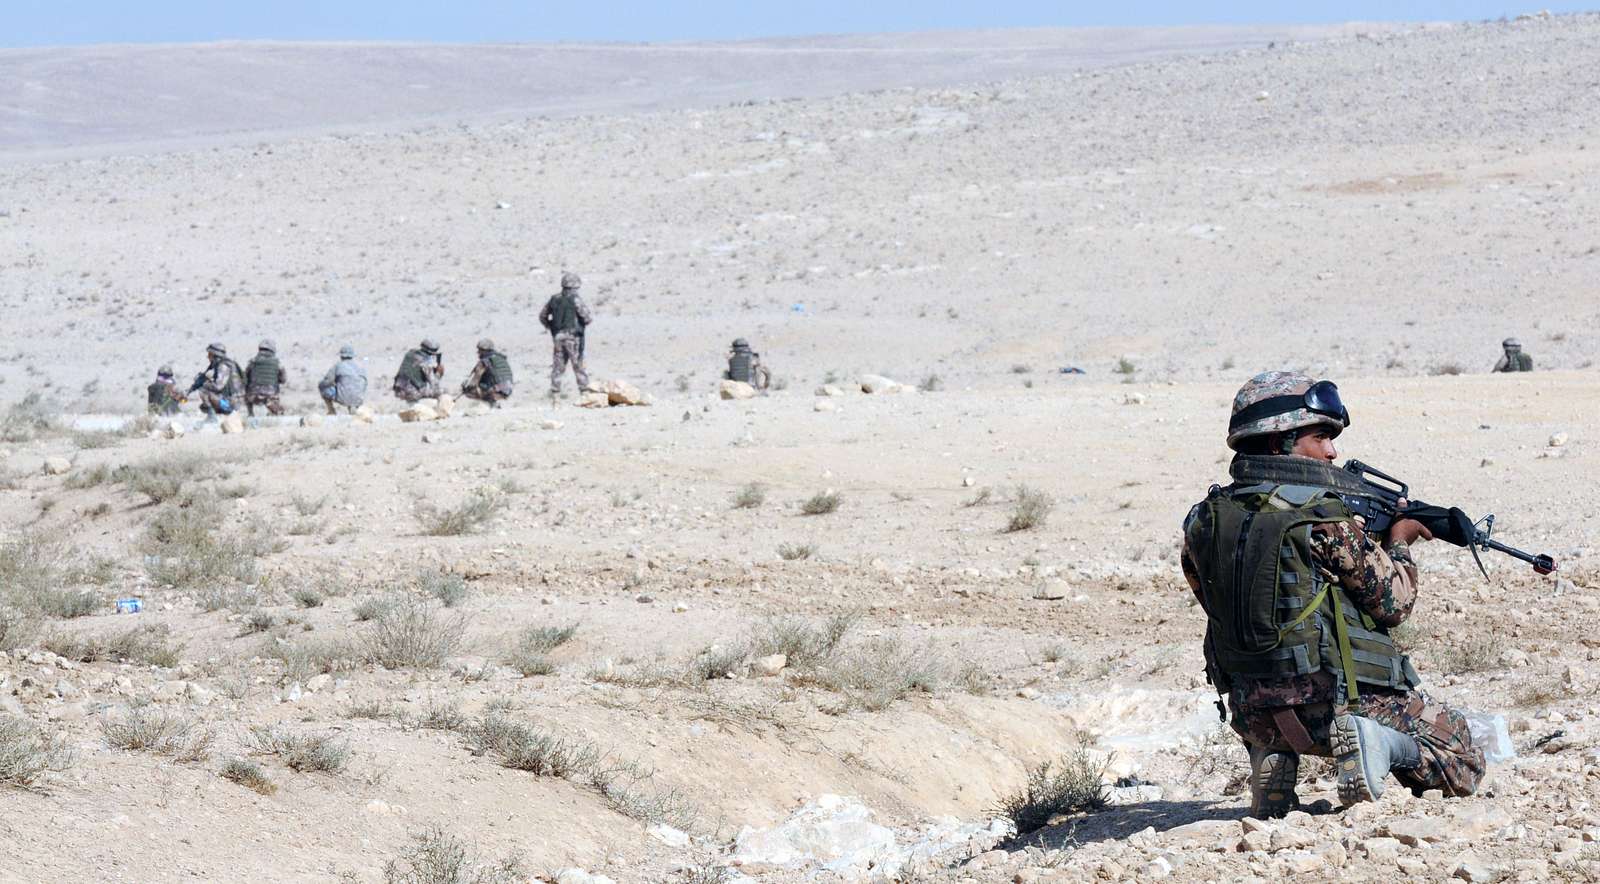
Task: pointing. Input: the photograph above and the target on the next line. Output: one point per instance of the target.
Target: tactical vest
(1522, 362)
(564, 314)
(1270, 615)
(263, 372)
(159, 397)
(739, 366)
(499, 369)
(235, 379)
(414, 369)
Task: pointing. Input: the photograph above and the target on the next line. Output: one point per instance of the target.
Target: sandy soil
(1380, 210)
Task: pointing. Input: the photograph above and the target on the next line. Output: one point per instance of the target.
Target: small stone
(1558, 439)
(1416, 831)
(1159, 867)
(876, 383)
(365, 415)
(768, 666)
(680, 607)
(824, 405)
(56, 466)
(430, 438)
(1468, 867)
(1433, 795)
(1291, 838)
(233, 424)
(1379, 849)
(418, 413)
(318, 682)
(1486, 462)
(968, 481)
(644, 598)
(829, 390)
(444, 405)
(736, 390)
(550, 424)
(1251, 824)
(1254, 842)
(1133, 399)
(310, 420)
(1052, 590)
(1305, 862)
(672, 837)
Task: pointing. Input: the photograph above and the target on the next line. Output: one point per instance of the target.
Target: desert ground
(543, 642)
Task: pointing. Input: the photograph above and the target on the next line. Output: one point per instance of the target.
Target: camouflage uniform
(744, 365)
(491, 379)
(1513, 359)
(420, 370)
(220, 384)
(566, 317)
(163, 397)
(264, 380)
(1383, 584)
(344, 384)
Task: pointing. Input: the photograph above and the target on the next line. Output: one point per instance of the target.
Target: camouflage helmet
(1511, 344)
(1280, 401)
(216, 349)
(485, 345)
(429, 345)
(347, 352)
(741, 344)
(570, 280)
(268, 346)
(164, 371)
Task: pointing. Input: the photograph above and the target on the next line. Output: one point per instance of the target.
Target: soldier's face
(1317, 445)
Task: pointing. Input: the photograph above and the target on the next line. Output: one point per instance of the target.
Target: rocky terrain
(824, 633)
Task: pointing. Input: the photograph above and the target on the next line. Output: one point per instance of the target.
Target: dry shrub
(523, 747)
(35, 578)
(249, 775)
(28, 752)
(449, 589)
(467, 517)
(750, 496)
(411, 634)
(527, 656)
(1030, 508)
(308, 657)
(1471, 654)
(435, 857)
(304, 753)
(821, 503)
(148, 644)
(1073, 784)
(29, 418)
(792, 552)
(442, 717)
(16, 628)
(159, 731)
(185, 548)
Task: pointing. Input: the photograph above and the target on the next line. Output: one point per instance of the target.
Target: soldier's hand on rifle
(1408, 530)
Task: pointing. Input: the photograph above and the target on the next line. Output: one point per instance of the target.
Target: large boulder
(594, 399)
(444, 405)
(233, 423)
(877, 383)
(419, 412)
(737, 390)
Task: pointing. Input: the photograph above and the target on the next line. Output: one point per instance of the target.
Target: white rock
(56, 466)
(1159, 867)
(417, 413)
(318, 682)
(668, 835)
(594, 399)
(680, 607)
(876, 383)
(365, 415)
(310, 420)
(172, 430)
(550, 424)
(1557, 440)
(824, 405)
(1133, 399)
(829, 390)
(233, 423)
(622, 393)
(736, 390)
(768, 666)
(444, 405)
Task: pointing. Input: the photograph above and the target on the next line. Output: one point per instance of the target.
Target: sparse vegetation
(449, 589)
(1447, 368)
(442, 717)
(1472, 654)
(931, 384)
(371, 608)
(257, 621)
(307, 657)
(29, 418)
(185, 548)
(1020, 368)
(528, 655)
(435, 857)
(162, 732)
(522, 747)
(791, 552)
(249, 775)
(978, 498)
(304, 753)
(465, 518)
(1073, 784)
(1030, 508)
(821, 503)
(308, 507)
(750, 496)
(718, 662)
(149, 644)
(28, 752)
(1125, 366)
(412, 634)
(306, 596)
(34, 578)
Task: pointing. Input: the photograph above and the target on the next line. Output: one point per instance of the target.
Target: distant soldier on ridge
(344, 384)
(1513, 359)
(163, 396)
(490, 380)
(264, 378)
(744, 366)
(420, 371)
(566, 317)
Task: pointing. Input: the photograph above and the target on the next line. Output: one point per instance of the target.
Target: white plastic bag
(1489, 733)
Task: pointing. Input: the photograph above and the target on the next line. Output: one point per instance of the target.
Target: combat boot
(1272, 781)
(1364, 752)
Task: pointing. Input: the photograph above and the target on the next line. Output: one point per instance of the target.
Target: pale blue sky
(62, 22)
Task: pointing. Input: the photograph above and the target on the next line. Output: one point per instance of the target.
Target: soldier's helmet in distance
(570, 280)
(1280, 401)
(347, 352)
(485, 345)
(164, 371)
(741, 344)
(430, 346)
(1511, 344)
(268, 346)
(216, 349)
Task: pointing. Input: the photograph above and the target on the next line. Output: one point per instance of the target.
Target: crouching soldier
(221, 383)
(264, 378)
(490, 380)
(344, 384)
(744, 365)
(420, 371)
(1299, 601)
(163, 397)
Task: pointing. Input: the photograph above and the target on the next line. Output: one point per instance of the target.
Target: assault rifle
(1378, 502)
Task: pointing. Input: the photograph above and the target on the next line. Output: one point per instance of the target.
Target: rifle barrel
(1541, 563)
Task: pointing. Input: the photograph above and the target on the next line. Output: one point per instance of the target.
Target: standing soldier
(420, 371)
(1513, 359)
(566, 317)
(264, 378)
(163, 396)
(220, 384)
(1299, 601)
(744, 365)
(344, 384)
(490, 380)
